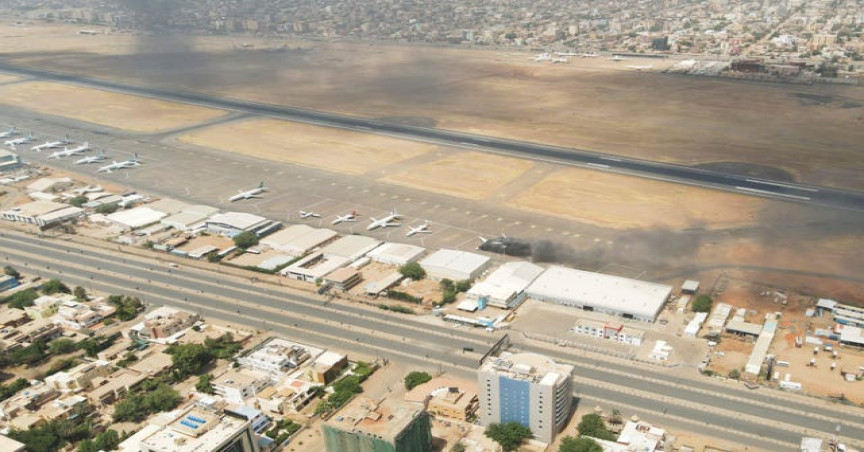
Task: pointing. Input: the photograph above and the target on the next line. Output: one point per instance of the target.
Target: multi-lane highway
(761, 418)
(824, 196)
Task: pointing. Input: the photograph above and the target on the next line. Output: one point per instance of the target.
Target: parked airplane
(52, 144)
(349, 217)
(589, 55)
(384, 222)
(11, 132)
(66, 152)
(566, 54)
(618, 58)
(304, 215)
(120, 165)
(640, 68)
(92, 159)
(20, 140)
(253, 193)
(423, 228)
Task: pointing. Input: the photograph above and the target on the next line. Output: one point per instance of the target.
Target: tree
(415, 379)
(734, 374)
(189, 359)
(22, 299)
(702, 303)
(458, 447)
(246, 239)
(10, 270)
(592, 425)
(53, 286)
(127, 307)
(412, 270)
(62, 347)
(80, 293)
(583, 444)
(509, 435)
(106, 209)
(203, 384)
(78, 201)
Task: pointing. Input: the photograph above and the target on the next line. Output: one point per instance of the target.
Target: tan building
(238, 386)
(194, 429)
(79, 377)
(447, 398)
(327, 367)
(162, 324)
(27, 401)
(109, 389)
(13, 317)
(8, 444)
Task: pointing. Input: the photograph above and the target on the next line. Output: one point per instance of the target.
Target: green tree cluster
(9, 390)
(77, 201)
(283, 430)
(53, 286)
(246, 240)
(136, 407)
(127, 307)
(583, 444)
(21, 299)
(52, 435)
(345, 389)
(450, 290)
(106, 209)
(702, 303)
(412, 270)
(107, 440)
(10, 270)
(189, 359)
(62, 346)
(592, 425)
(416, 378)
(403, 296)
(80, 293)
(509, 435)
(394, 308)
(94, 345)
(224, 346)
(59, 366)
(204, 384)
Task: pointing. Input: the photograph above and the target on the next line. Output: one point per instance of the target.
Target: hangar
(614, 295)
(505, 287)
(351, 247)
(454, 265)
(135, 218)
(42, 213)
(298, 239)
(396, 253)
(233, 223)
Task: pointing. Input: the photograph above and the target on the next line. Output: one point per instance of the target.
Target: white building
(396, 253)
(135, 218)
(505, 287)
(609, 330)
(298, 239)
(693, 327)
(527, 388)
(193, 429)
(454, 265)
(351, 247)
(9, 160)
(233, 223)
(276, 356)
(42, 213)
(614, 295)
(191, 217)
(236, 386)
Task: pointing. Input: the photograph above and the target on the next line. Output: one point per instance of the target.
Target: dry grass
(471, 175)
(120, 111)
(4, 78)
(616, 201)
(322, 147)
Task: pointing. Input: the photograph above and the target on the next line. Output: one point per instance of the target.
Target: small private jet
(92, 159)
(52, 144)
(253, 193)
(131, 163)
(308, 214)
(384, 222)
(423, 228)
(66, 152)
(345, 218)
(9, 133)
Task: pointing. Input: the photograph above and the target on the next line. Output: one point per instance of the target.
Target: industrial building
(42, 213)
(614, 295)
(9, 160)
(454, 265)
(396, 253)
(314, 266)
(351, 247)
(298, 239)
(505, 287)
(191, 217)
(514, 387)
(366, 425)
(233, 223)
(136, 218)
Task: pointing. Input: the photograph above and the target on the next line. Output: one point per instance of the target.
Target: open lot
(322, 147)
(472, 175)
(5, 78)
(120, 111)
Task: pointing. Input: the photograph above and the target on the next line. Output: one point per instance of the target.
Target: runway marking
(779, 184)
(597, 165)
(774, 194)
(613, 159)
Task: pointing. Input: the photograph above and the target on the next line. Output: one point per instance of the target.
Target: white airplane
(384, 222)
(52, 144)
(120, 165)
(618, 58)
(349, 217)
(66, 152)
(249, 193)
(304, 215)
(423, 228)
(640, 68)
(20, 140)
(566, 54)
(560, 60)
(542, 57)
(11, 132)
(92, 159)
(589, 55)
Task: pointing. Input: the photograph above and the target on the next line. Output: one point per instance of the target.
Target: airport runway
(760, 418)
(823, 196)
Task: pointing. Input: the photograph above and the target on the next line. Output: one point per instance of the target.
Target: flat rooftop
(385, 419)
(195, 430)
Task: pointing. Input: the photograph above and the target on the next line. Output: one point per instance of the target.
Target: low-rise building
(42, 213)
(289, 396)
(237, 386)
(314, 266)
(78, 316)
(194, 429)
(107, 390)
(10, 445)
(351, 247)
(9, 161)
(327, 367)
(13, 317)
(446, 398)
(298, 239)
(79, 377)
(259, 420)
(233, 223)
(163, 325)
(40, 330)
(397, 254)
(505, 287)
(275, 356)
(47, 305)
(27, 401)
(454, 265)
(135, 218)
(609, 330)
(365, 424)
(343, 279)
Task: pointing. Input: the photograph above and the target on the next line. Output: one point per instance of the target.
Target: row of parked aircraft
(68, 152)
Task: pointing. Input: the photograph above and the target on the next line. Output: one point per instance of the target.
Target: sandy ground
(331, 149)
(471, 175)
(5, 78)
(622, 202)
(121, 111)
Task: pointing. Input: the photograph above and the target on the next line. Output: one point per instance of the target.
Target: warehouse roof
(237, 220)
(456, 260)
(601, 291)
(137, 217)
(351, 246)
(512, 277)
(396, 253)
(298, 239)
(37, 208)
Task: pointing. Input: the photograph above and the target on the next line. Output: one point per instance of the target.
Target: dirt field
(471, 175)
(621, 202)
(331, 149)
(121, 111)
(5, 78)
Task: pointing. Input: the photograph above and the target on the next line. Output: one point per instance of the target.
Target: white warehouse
(615, 295)
(505, 287)
(454, 265)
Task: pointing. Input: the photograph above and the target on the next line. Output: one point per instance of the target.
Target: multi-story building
(163, 323)
(79, 377)
(277, 356)
(369, 425)
(527, 388)
(195, 429)
(238, 386)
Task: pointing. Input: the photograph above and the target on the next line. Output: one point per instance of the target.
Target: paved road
(824, 196)
(757, 418)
